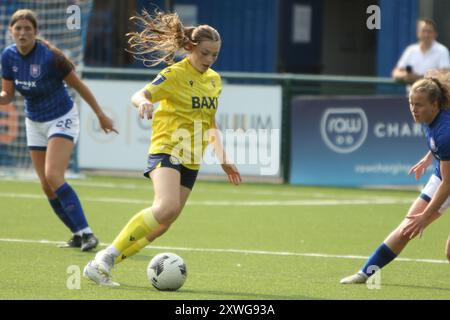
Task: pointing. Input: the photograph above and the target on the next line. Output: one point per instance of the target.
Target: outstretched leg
(391, 247)
(154, 220)
(142, 243)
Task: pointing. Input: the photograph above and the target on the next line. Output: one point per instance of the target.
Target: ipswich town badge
(35, 70)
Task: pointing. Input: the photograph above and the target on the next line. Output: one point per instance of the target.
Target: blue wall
(248, 29)
(255, 32)
(398, 30)
(300, 57)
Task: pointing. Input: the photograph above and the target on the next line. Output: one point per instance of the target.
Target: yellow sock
(137, 228)
(132, 250)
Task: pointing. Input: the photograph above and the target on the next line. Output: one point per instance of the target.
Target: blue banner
(354, 141)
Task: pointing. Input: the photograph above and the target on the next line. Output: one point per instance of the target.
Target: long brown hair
(25, 14)
(30, 15)
(436, 84)
(163, 36)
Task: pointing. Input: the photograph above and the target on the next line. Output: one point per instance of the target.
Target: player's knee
(158, 232)
(166, 212)
(47, 190)
(54, 179)
(163, 229)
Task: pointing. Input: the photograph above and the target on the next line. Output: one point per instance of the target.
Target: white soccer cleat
(93, 272)
(359, 277)
(104, 261)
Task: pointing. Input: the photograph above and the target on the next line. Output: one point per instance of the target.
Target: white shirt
(437, 57)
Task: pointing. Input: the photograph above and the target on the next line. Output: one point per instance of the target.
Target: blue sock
(72, 206)
(379, 258)
(59, 210)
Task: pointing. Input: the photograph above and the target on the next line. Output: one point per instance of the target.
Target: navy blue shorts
(163, 160)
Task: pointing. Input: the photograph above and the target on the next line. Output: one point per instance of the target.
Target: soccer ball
(167, 272)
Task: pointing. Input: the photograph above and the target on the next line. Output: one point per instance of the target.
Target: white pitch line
(132, 186)
(239, 251)
(278, 203)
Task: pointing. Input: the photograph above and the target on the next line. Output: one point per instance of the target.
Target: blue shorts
(163, 160)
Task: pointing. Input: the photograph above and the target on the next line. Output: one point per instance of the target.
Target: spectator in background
(421, 57)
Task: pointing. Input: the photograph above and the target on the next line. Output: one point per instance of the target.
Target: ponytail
(163, 36)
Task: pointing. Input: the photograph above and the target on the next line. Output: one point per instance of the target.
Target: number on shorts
(67, 123)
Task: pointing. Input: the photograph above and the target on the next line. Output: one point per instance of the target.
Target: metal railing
(292, 85)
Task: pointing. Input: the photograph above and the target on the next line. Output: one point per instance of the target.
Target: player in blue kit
(429, 100)
(38, 71)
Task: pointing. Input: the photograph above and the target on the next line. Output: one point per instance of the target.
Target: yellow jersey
(189, 101)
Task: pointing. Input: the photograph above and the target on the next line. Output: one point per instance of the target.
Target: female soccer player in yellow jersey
(188, 91)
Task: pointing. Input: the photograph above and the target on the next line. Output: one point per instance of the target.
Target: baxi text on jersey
(204, 102)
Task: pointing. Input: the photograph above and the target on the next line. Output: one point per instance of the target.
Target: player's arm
(418, 222)
(73, 81)
(420, 167)
(403, 70)
(215, 139)
(399, 73)
(7, 94)
(162, 87)
(442, 193)
(228, 167)
(142, 101)
(402, 74)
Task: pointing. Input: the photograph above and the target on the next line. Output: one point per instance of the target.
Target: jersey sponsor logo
(35, 70)
(344, 130)
(25, 84)
(204, 102)
(158, 80)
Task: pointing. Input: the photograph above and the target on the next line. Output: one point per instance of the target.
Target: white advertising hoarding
(123, 151)
(249, 117)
